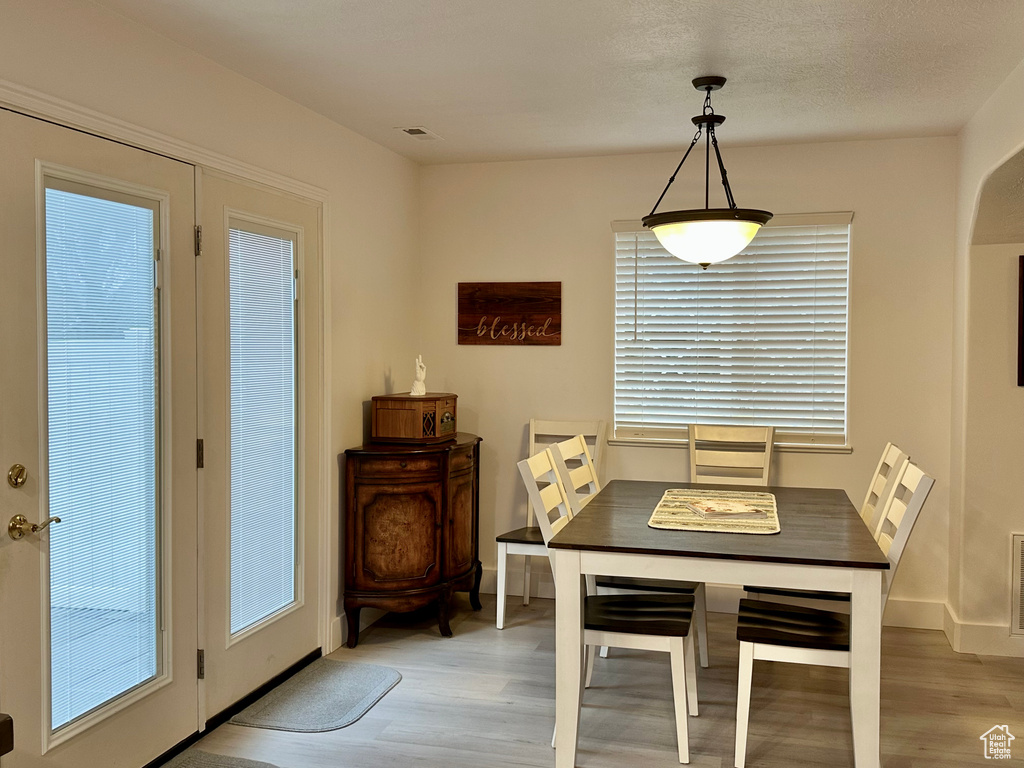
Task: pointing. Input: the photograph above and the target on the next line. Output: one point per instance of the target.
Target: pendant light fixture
(706, 235)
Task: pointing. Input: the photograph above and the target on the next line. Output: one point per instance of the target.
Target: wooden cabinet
(411, 527)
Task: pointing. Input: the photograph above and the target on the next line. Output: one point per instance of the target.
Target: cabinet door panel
(400, 541)
(460, 548)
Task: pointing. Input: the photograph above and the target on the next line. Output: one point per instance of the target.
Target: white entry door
(98, 614)
(260, 320)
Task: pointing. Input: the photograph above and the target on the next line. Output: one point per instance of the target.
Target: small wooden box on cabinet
(429, 418)
(412, 528)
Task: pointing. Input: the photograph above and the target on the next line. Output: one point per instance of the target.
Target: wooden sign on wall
(520, 314)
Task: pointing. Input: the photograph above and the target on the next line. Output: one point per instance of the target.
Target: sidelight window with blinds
(758, 340)
(264, 558)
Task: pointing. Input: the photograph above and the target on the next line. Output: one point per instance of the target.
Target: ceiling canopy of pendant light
(706, 235)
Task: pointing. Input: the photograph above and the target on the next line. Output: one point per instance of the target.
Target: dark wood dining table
(823, 544)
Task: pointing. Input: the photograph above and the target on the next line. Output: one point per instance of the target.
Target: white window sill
(646, 442)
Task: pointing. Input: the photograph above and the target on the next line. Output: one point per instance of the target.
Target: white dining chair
(880, 489)
(579, 477)
(773, 631)
(641, 622)
(527, 541)
(883, 481)
(730, 455)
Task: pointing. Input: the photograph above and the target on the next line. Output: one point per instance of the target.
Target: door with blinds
(98, 607)
(260, 426)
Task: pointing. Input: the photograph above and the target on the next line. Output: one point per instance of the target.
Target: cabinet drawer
(393, 466)
(461, 459)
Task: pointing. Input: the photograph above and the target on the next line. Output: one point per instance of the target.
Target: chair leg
(700, 617)
(678, 658)
(527, 570)
(593, 589)
(502, 582)
(588, 652)
(746, 671)
(691, 674)
(554, 732)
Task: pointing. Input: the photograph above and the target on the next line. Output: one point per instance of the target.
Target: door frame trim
(68, 114)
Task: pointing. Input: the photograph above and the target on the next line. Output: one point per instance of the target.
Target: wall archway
(994, 408)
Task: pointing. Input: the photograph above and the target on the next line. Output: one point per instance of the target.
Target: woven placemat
(675, 511)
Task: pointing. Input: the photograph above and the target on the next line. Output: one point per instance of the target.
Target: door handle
(20, 527)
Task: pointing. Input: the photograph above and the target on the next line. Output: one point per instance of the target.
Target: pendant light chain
(721, 167)
(712, 140)
(696, 138)
(709, 111)
(706, 235)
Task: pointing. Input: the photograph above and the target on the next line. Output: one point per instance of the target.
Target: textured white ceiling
(513, 79)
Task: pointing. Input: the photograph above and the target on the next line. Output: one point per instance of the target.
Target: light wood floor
(485, 699)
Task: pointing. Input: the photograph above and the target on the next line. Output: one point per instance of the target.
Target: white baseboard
(982, 639)
(366, 617)
(541, 583)
(914, 614)
(335, 635)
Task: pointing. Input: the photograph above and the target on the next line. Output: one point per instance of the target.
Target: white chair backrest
(730, 455)
(900, 514)
(576, 471)
(882, 484)
(545, 433)
(546, 494)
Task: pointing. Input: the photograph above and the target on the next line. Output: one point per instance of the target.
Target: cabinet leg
(352, 614)
(474, 593)
(442, 612)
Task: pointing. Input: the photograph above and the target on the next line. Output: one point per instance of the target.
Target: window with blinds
(758, 340)
(263, 424)
(103, 420)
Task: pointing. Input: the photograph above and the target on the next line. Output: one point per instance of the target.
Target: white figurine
(419, 386)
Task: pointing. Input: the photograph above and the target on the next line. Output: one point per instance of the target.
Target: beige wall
(995, 435)
(76, 52)
(987, 405)
(549, 220)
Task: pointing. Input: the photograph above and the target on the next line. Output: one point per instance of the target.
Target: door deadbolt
(17, 475)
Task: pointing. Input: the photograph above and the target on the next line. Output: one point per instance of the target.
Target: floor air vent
(1017, 577)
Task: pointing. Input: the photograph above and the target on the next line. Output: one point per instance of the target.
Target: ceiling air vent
(420, 133)
(1017, 577)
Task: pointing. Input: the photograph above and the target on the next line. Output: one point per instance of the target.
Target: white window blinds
(759, 339)
(263, 522)
(102, 425)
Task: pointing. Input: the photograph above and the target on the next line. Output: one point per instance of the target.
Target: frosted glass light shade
(706, 236)
(706, 242)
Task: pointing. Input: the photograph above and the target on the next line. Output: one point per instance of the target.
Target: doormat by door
(196, 758)
(325, 696)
